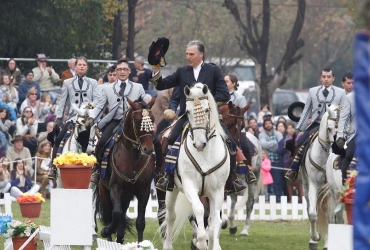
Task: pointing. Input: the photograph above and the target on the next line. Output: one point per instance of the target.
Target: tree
(254, 39)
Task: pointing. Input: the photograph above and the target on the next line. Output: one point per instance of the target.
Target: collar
(199, 66)
(328, 88)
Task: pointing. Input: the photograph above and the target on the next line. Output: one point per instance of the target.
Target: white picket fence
(261, 210)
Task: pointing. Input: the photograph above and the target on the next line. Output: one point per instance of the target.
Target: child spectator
(266, 175)
(27, 128)
(42, 165)
(4, 178)
(20, 180)
(46, 110)
(264, 111)
(8, 93)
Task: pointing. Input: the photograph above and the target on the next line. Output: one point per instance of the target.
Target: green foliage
(58, 28)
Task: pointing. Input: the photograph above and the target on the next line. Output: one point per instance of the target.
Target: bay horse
(314, 178)
(130, 172)
(202, 170)
(233, 117)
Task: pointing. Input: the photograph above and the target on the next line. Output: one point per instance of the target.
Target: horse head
(202, 113)
(140, 120)
(332, 123)
(82, 112)
(233, 118)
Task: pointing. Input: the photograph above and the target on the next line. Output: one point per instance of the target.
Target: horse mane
(197, 92)
(325, 117)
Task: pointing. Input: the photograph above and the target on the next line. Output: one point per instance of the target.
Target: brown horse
(130, 172)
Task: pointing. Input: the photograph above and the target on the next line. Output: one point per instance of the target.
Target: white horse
(71, 144)
(314, 178)
(251, 194)
(203, 168)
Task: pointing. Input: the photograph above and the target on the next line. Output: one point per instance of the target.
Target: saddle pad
(337, 164)
(170, 161)
(65, 138)
(241, 168)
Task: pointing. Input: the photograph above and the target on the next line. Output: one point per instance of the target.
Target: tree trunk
(130, 49)
(117, 36)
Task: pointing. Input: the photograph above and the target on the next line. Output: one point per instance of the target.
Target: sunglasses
(33, 94)
(28, 111)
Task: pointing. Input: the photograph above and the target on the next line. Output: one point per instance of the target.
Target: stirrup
(291, 175)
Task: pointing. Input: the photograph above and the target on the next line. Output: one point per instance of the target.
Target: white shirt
(328, 88)
(197, 70)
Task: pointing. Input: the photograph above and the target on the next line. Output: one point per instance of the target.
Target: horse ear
(246, 107)
(230, 104)
(79, 111)
(205, 89)
(187, 90)
(151, 103)
(130, 102)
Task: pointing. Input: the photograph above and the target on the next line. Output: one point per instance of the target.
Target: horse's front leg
(142, 202)
(249, 207)
(170, 218)
(214, 221)
(125, 223)
(312, 215)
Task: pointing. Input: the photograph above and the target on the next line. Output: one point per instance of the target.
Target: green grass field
(269, 235)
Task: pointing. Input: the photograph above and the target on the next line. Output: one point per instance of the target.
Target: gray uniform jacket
(348, 126)
(71, 93)
(110, 95)
(239, 101)
(316, 105)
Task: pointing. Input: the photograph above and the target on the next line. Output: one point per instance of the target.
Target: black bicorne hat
(295, 111)
(157, 51)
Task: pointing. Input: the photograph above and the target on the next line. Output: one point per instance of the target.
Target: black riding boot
(345, 165)
(166, 182)
(234, 183)
(53, 172)
(250, 177)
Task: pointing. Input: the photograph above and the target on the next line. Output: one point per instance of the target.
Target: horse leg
(312, 215)
(142, 202)
(233, 227)
(125, 223)
(170, 218)
(105, 210)
(249, 207)
(161, 197)
(94, 227)
(214, 221)
(198, 210)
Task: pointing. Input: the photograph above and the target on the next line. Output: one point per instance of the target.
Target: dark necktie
(80, 82)
(325, 92)
(122, 90)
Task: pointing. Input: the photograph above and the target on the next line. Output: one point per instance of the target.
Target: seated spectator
(4, 178)
(20, 180)
(31, 101)
(11, 111)
(25, 85)
(14, 73)
(46, 111)
(27, 128)
(19, 151)
(43, 135)
(8, 93)
(6, 125)
(42, 165)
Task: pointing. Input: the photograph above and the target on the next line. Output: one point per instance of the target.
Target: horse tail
(183, 211)
(325, 208)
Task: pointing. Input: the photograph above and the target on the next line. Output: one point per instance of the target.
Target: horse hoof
(233, 230)
(224, 224)
(312, 246)
(104, 233)
(244, 232)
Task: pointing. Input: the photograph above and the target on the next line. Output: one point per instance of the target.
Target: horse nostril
(204, 145)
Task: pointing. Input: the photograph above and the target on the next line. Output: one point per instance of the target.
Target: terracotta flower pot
(348, 205)
(18, 242)
(75, 176)
(30, 209)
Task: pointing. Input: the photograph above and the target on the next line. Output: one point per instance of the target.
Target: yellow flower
(75, 159)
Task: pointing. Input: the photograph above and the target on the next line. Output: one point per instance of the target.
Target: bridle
(146, 126)
(210, 131)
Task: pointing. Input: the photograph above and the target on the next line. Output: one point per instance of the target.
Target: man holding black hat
(196, 71)
(26, 84)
